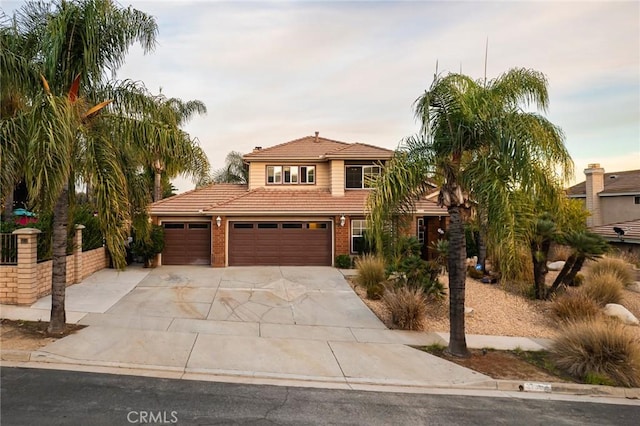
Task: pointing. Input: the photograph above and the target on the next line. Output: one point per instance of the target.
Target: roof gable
(318, 148)
(306, 148)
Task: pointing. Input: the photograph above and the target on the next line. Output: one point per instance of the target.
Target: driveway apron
(300, 323)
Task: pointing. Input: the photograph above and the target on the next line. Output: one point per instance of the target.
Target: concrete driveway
(192, 298)
(297, 323)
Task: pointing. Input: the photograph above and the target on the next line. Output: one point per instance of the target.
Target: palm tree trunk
(8, 206)
(539, 273)
(575, 268)
(457, 275)
(568, 265)
(157, 186)
(59, 275)
(482, 250)
(540, 254)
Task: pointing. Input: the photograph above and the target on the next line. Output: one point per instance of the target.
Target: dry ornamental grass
(600, 352)
(496, 312)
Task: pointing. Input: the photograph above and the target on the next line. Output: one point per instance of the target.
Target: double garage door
(187, 243)
(303, 243)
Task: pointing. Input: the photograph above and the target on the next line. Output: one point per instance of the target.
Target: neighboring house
(304, 204)
(613, 200)
(609, 197)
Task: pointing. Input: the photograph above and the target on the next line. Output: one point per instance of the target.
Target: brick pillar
(77, 254)
(343, 244)
(218, 234)
(27, 293)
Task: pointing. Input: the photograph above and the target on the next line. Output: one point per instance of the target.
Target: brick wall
(8, 284)
(342, 241)
(93, 260)
(218, 235)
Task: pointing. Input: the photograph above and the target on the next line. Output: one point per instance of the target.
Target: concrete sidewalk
(302, 326)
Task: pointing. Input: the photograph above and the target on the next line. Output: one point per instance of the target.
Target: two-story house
(613, 202)
(609, 197)
(304, 204)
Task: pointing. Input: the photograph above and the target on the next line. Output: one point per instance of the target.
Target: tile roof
(631, 232)
(191, 202)
(360, 151)
(234, 200)
(614, 183)
(310, 148)
(300, 202)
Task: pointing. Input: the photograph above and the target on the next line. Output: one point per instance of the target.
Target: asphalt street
(52, 397)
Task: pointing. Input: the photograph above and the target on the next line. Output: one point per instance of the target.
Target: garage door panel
(280, 243)
(187, 243)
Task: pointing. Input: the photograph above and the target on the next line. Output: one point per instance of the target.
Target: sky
(271, 72)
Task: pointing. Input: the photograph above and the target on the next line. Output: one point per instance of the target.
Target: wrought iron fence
(8, 249)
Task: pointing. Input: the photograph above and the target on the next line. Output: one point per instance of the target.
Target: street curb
(36, 359)
(15, 355)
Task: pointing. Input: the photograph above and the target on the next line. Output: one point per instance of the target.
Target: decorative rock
(634, 287)
(469, 311)
(555, 266)
(620, 312)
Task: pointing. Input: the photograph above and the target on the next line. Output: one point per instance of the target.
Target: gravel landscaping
(496, 311)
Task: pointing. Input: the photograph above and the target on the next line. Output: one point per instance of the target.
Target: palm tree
(585, 245)
(59, 138)
(180, 154)
(234, 170)
(543, 234)
(483, 149)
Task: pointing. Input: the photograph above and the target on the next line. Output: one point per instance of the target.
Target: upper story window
(636, 199)
(361, 177)
(291, 175)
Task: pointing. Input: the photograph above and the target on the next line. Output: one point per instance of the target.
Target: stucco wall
(258, 175)
(337, 178)
(619, 209)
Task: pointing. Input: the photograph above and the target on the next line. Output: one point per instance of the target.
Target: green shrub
(574, 306)
(441, 249)
(598, 349)
(407, 306)
(603, 287)
(417, 273)
(614, 266)
(148, 248)
(343, 261)
(92, 237)
(371, 272)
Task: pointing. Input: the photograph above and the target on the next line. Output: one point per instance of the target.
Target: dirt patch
(30, 335)
(507, 365)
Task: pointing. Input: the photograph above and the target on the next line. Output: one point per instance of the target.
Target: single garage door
(280, 243)
(187, 243)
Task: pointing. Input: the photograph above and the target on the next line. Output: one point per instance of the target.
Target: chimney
(594, 185)
(317, 133)
(257, 148)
